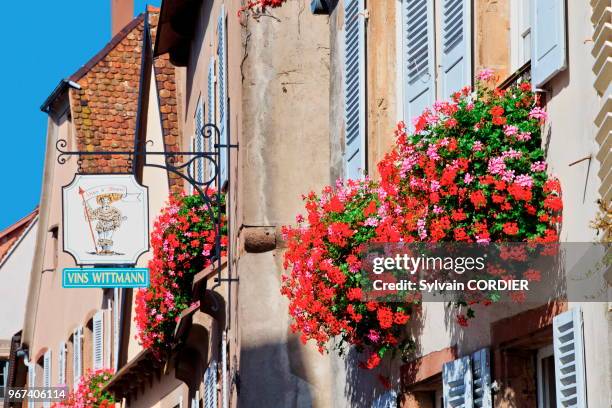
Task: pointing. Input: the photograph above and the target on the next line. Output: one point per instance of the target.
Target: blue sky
(43, 42)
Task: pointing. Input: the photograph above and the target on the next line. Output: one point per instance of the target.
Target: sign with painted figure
(105, 219)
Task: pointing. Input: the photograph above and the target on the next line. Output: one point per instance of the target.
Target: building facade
(16, 253)
(301, 97)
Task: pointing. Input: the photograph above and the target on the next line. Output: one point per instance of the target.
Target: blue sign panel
(105, 278)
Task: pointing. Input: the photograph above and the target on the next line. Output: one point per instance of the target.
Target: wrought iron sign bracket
(190, 170)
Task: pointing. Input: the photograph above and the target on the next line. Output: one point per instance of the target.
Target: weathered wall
(381, 79)
(491, 39)
(284, 153)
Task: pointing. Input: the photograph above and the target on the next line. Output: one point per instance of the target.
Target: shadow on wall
(363, 387)
(269, 376)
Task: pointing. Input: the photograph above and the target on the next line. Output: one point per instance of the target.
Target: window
(62, 353)
(222, 108)
(546, 378)
(520, 28)
(436, 49)
(98, 340)
(354, 89)
(47, 374)
(210, 385)
(4, 365)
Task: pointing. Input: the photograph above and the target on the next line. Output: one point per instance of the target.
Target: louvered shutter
(354, 88)
(222, 102)
(457, 383)
(77, 365)
(31, 380)
(548, 40)
(199, 140)
(98, 341)
(61, 363)
(386, 400)
(481, 376)
(456, 59)
(210, 114)
(47, 374)
(418, 57)
(210, 385)
(116, 309)
(568, 344)
(180, 402)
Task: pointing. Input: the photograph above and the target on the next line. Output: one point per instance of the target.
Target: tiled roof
(105, 109)
(10, 235)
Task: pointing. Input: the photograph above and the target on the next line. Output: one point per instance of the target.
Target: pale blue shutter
(47, 374)
(354, 89)
(418, 57)
(457, 383)
(77, 364)
(568, 346)
(61, 364)
(210, 386)
(481, 376)
(31, 380)
(386, 400)
(548, 40)
(199, 140)
(98, 341)
(210, 115)
(222, 102)
(456, 59)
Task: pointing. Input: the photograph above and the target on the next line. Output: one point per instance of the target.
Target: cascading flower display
(183, 243)
(88, 392)
(471, 170)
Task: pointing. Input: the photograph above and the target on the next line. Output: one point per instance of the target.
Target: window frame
(543, 353)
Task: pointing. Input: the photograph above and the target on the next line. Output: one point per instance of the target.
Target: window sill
(521, 74)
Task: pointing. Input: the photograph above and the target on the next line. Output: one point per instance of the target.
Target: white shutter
(31, 380)
(386, 400)
(418, 57)
(481, 375)
(116, 309)
(180, 401)
(548, 40)
(98, 341)
(47, 374)
(568, 346)
(199, 140)
(77, 365)
(222, 102)
(210, 385)
(456, 59)
(457, 383)
(61, 363)
(354, 88)
(210, 114)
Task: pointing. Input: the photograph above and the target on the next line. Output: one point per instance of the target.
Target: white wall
(15, 278)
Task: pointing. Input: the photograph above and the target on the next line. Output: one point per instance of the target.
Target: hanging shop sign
(105, 219)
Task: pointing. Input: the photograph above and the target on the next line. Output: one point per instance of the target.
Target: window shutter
(180, 402)
(31, 380)
(481, 375)
(210, 114)
(77, 366)
(61, 364)
(116, 310)
(418, 57)
(568, 347)
(47, 374)
(456, 64)
(354, 88)
(457, 383)
(222, 102)
(386, 400)
(98, 341)
(199, 140)
(548, 40)
(210, 386)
